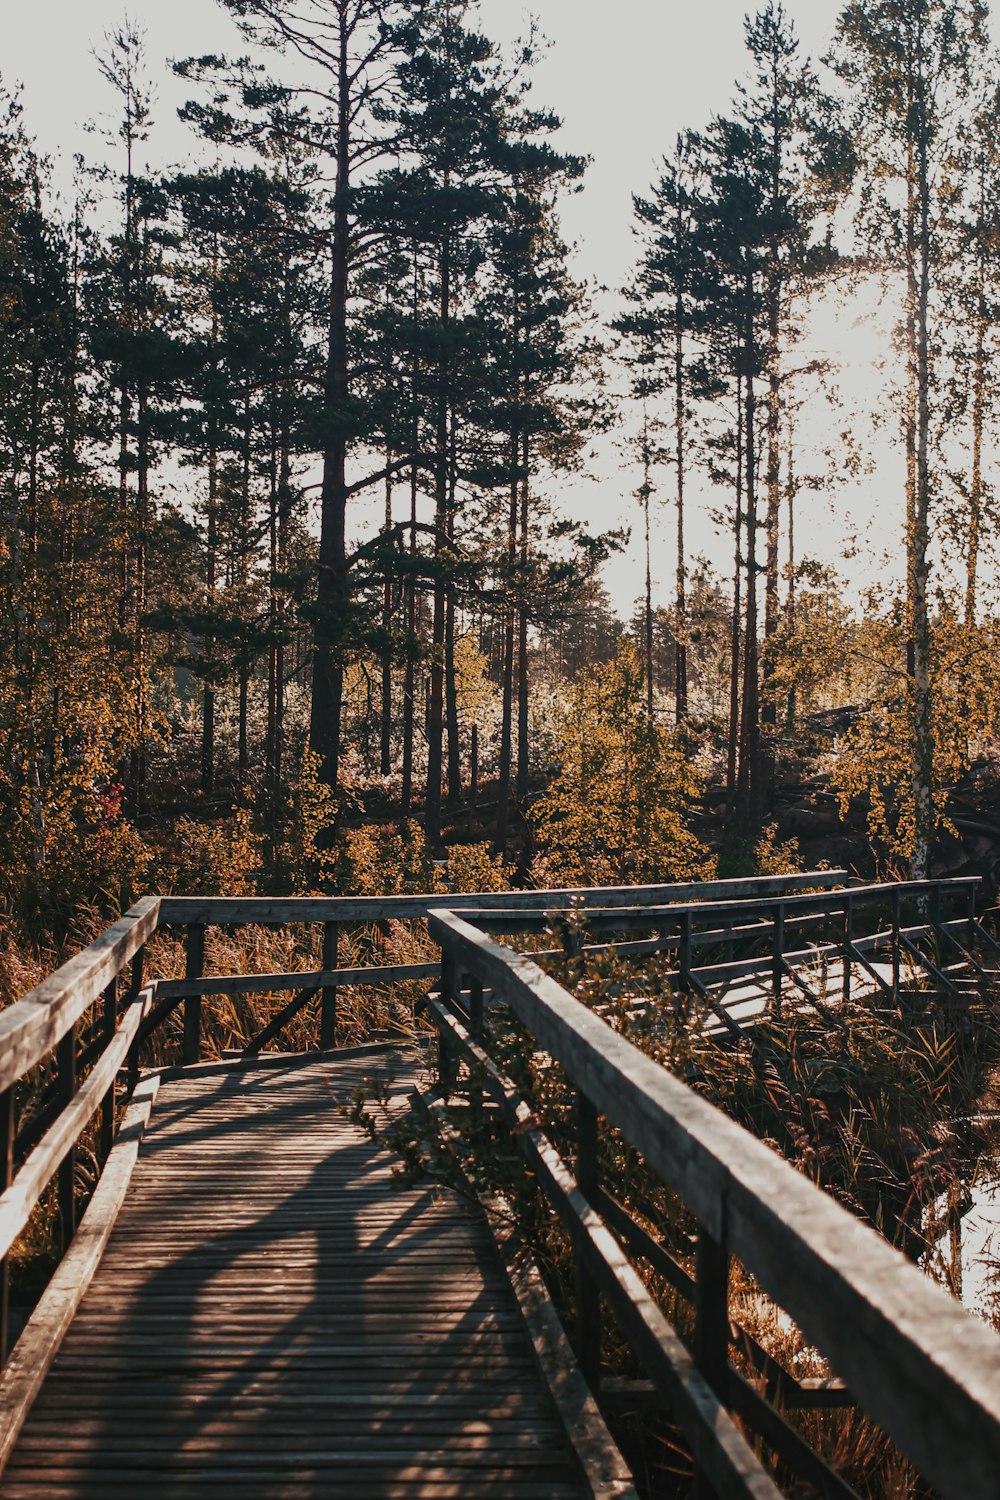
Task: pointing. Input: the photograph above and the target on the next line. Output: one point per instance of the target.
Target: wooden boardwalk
(274, 1316)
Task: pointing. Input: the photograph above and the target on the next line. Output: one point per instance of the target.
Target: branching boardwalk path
(274, 1315)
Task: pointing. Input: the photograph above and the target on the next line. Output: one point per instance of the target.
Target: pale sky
(624, 77)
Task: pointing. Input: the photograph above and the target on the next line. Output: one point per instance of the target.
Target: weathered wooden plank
(17, 1201)
(33, 1025)
(925, 1370)
(31, 1359)
(221, 911)
(311, 979)
(297, 1273)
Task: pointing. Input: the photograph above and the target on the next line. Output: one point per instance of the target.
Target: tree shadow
(276, 1317)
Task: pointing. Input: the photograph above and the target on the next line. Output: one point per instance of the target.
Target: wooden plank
(33, 1025)
(925, 1370)
(357, 1332)
(39, 1343)
(220, 911)
(17, 1201)
(247, 984)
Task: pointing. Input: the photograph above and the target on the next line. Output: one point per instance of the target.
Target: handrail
(33, 1025)
(624, 918)
(89, 1062)
(222, 911)
(928, 1373)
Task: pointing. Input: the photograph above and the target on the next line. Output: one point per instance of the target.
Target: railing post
(588, 1297)
(447, 1062)
(711, 1334)
(328, 999)
(476, 1031)
(108, 1103)
(194, 969)
(134, 986)
(684, 957)
(66, 1065)
(848, 946)
(897, 922)
(972, 917)
(777, 967)
(7, 1130)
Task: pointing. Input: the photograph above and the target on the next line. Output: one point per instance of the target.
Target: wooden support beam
(194, 967)
(56, 1145)
(38, 1345)
(66, 1064)
(328, 1003)
(34, 1025)
(588, 1296)
(8, 1127)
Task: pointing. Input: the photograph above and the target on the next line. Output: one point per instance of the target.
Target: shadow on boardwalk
(275, 1317)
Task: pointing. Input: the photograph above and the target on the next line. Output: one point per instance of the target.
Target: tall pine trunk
(748, 809)
(523, 683)
(923, 740)
(333, 582)
(385, 736)
(680, 598)
(435, 705)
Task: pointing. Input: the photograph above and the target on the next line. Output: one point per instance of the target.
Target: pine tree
(910, 64)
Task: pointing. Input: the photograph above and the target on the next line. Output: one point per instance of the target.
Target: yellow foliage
(875, 759)
(218, 859)
(306, 857)
(772, 858)
(381, 860)
(472, 867)
(617, 810)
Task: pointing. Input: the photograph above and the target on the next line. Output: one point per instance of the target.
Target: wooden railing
(70, 1050)
(58, 1069)
(924, 1371)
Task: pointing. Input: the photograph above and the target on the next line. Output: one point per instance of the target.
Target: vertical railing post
(684, 957)
(848, 947)
(588, 1297)
(110, 1021)
(447, 1063)
(897, 921)
(328, 1000)
(972, 918)
(8, 1124)
(476, 1020)
(134, 986)
(66, 1084)
(711, 1334)
(194, 968)
(777, 960)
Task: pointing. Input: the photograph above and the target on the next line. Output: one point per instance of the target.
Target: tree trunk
(680, 602)
(748, 776)
(409, 672)
(523, 685)
(732, 759)
(450, 672)
(211, 561)
(435, 706)
(507, 665)
(333, 583)
(923, 746)
(385, 738)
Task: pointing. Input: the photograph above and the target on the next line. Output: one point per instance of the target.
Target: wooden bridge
(252, 1305)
